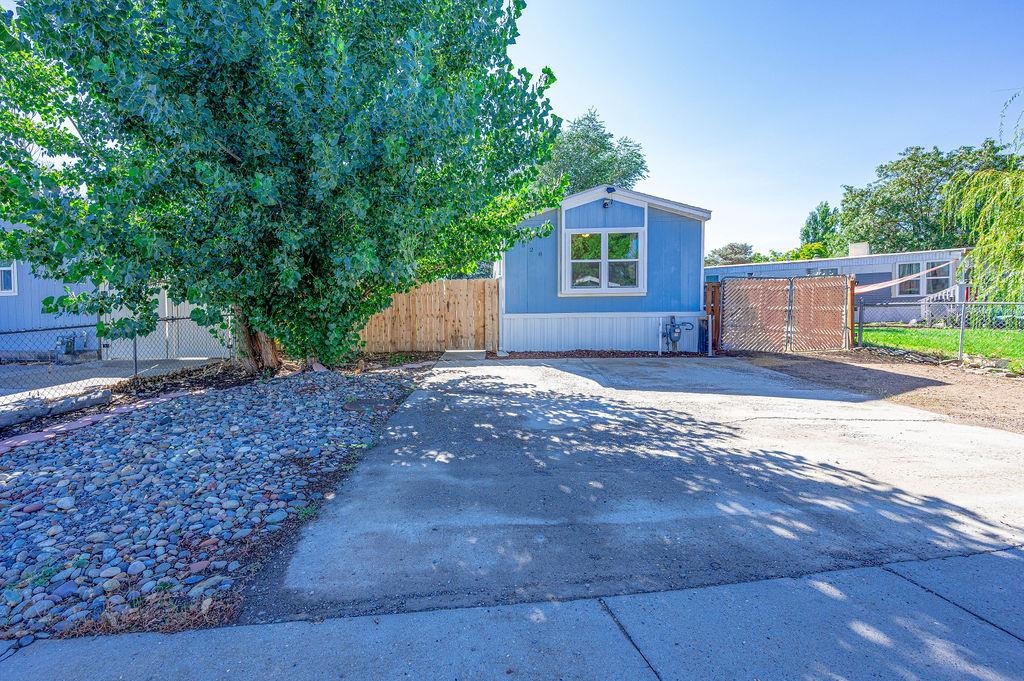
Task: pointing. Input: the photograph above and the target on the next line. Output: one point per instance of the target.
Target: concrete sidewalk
(950, 618)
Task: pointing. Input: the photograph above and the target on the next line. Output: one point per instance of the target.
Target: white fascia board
(636, 199)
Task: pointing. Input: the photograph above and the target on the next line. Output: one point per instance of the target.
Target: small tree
(293, 163)
(589, 155)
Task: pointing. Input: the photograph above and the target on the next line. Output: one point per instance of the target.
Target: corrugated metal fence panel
(755, 314)
(176, 337)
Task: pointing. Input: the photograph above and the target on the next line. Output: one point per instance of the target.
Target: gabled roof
(634, 197)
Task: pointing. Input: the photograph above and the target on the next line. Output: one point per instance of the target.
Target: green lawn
(996, 343)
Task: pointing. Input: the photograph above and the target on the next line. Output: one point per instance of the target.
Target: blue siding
(673, 267)
(882, 295)
(595, 216)
(25, 311)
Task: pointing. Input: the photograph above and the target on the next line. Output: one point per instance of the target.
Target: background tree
(730, 254)
(589, 155)
(902, 210)
(821, 226)
(809, 251)
(295, 163)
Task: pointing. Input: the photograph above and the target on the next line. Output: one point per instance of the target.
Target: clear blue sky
(759, 110)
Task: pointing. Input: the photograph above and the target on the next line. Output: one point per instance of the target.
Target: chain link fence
(989, 334)
(785, 314)
(44, 366)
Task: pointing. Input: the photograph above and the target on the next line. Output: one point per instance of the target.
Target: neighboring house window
(940, 279)
(8, 278)
(711, 278)
(910, 287)
(604, 261)
(928, 282)
(823, 271)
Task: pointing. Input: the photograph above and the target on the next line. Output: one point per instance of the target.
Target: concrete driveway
(526, 481)
(636, 518)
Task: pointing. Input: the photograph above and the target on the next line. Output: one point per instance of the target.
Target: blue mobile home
(617, 266)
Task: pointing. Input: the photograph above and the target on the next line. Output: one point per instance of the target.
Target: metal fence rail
(986, 332)
(41, 365)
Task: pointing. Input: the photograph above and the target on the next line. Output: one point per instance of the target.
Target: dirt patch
(379, 360)
(978, 399)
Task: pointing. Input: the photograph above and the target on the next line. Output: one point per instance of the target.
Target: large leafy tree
(293, 162)
(588, 155)
(902, 210)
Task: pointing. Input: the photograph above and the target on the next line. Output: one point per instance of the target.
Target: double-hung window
(932, 277)
(8, 278)
(910, 287)
(608, 261)
(940, 279)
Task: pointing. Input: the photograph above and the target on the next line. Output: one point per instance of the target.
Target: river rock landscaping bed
(166, 507)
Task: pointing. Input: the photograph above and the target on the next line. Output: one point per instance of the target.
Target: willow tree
(292, 162)
(991, 202)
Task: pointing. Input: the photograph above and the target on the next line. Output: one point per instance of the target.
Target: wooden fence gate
(449, 314)
(798, 314)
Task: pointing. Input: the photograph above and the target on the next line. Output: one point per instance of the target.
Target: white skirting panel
(593, 331)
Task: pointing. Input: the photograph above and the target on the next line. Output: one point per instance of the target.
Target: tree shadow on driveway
(487, 490)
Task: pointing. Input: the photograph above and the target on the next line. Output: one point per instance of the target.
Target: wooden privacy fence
(449, 314)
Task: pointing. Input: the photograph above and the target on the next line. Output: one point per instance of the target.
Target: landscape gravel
(158, 503)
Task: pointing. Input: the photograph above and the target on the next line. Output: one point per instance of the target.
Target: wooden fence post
(850, 306)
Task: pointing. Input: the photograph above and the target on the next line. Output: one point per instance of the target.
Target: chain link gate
(792, 314)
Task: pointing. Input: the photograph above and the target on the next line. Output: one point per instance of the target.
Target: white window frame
(932, 276)
(896, 275)
(922, 278)
(565, 259)
(13, 267)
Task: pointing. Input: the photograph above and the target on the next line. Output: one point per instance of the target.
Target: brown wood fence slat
(449, 314)
(713, 308)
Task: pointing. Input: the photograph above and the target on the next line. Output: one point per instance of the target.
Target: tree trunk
(257, 349)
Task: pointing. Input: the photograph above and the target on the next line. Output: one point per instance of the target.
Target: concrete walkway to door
(647, 518)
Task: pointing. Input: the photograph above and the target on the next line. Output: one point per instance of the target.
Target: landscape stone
(138, 492)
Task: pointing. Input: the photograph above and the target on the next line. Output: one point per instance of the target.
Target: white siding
(610, 331)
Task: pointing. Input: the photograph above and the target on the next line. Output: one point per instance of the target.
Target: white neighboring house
(936, 275)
